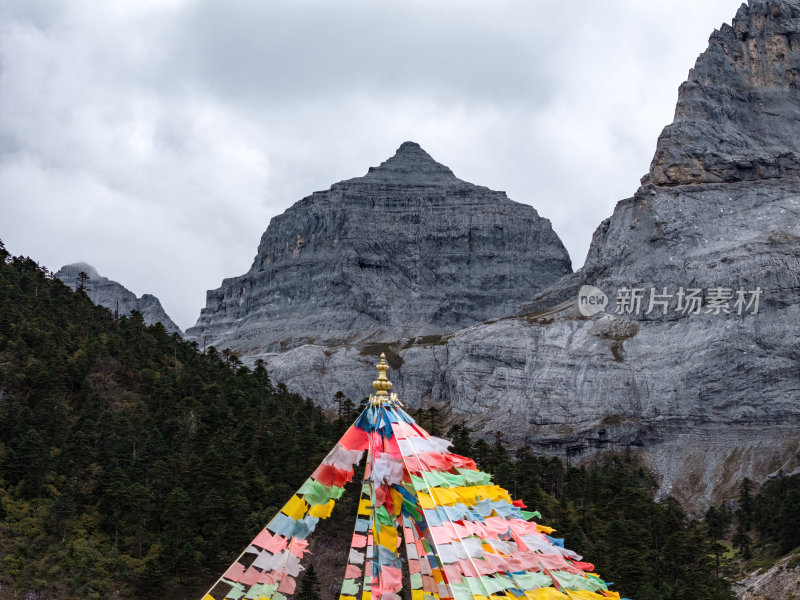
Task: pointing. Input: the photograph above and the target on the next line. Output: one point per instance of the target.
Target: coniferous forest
(132, 465)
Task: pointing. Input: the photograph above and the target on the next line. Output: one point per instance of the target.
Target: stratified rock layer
(705, 398)
(116, 297)
(407, 250)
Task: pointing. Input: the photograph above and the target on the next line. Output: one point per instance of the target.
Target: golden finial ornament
(382, 384)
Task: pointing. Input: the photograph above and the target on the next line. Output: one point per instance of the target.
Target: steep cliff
(116, 297)
(707, 397)
(406, 250)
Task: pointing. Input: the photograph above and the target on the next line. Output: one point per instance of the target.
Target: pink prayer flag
(403, 430)
(298, 547)
(352, 572)
(552, 561)
(453, 573)
(234, 572)
(528, 560)
(267, 577)
(287, 585)
(497, 562)
(250, 576)
(521, 545)
(496, 525)
(520, 527)
(413, 566)
(392, 447)
(359, 541)
(485, 567)
(429, 585)
(277, 544)
(468, 569)
(262, 539)
(391, 578)
(441, 535)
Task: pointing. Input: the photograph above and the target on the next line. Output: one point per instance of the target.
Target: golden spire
(382, 384)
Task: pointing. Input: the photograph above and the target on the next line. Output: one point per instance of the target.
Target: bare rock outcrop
(115, 296)
(737, 117)
(779, 582)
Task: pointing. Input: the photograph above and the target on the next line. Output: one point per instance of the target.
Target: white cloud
(155, 139)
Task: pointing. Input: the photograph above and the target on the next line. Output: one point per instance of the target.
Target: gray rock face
(738, 116)
(778, 582)
(706, 398)
(406, 250)
(116, 297)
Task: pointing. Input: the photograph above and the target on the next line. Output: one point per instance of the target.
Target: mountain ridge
(115, 296)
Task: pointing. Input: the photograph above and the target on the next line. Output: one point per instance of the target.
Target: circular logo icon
(591, 300)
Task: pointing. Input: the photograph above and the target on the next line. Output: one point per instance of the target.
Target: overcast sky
(155, 139)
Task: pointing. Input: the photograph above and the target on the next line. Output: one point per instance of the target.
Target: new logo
(591, 300)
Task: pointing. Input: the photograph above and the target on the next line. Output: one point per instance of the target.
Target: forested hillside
(133, 465)
(130, 463)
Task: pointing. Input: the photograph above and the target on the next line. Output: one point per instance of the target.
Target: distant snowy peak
(115, 296)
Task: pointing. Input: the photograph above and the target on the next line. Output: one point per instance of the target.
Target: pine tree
(309, 587)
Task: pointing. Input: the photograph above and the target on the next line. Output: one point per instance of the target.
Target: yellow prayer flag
(424, 500)
(387, 537)
(208, 597)
(322, 511)
(347, 597)
(584, 595)
(364, 507)
(397, 502)
(544, 529)
(296, 508)
(446, 496)
(547, 593)
(417, 595)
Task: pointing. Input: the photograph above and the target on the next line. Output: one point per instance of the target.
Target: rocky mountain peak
(407, 250)
(410, 165)
(738, 114)
(115, 296)
(78, 267)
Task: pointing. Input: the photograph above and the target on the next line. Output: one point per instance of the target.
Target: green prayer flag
(528, 515)
(349, 587)
(383, 516)
(317, 493)
(416, 581)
